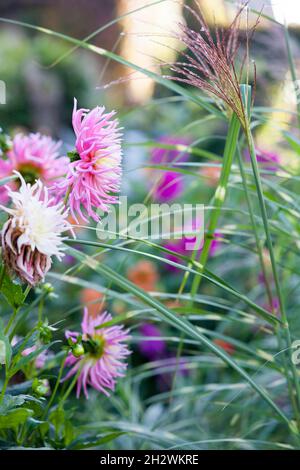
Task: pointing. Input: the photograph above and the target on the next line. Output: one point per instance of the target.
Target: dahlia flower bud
(41, 387)
(32, 234)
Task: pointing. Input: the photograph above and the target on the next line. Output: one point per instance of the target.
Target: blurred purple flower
(274, 308)
(163, 155)
(178, 366)
(152, 349)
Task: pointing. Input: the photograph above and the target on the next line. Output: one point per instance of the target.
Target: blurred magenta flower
(104, 351)
(274, 308)
(162, 155)
(34, 156)
(154, 348)
(94, 174)
(169, 184)
(268, 160)
(184, 246)
(169, 187)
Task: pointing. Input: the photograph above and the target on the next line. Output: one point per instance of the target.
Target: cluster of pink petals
(99, 372)
(93, 179)
(35, 155)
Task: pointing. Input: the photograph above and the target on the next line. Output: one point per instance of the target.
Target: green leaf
(86, 442)
(14, 417)
(179, 323)
(26, 359)
(11, 402)
(12, 292)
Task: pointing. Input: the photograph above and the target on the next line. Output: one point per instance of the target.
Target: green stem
(11, 320)
(4, 387)
(264, 214)
(269, 293)
(67, 195)
(71, 386)
(55, 387)
(252, 218)
(2, 275)
(220, 195)
(16, 310)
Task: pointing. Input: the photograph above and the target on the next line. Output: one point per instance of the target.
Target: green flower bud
(48, 287)
(45, 332)
(78, 350)
(40, 387)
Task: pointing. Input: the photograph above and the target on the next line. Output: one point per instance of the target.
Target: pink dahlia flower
(94, 175)
(102, 361)
(34, 156)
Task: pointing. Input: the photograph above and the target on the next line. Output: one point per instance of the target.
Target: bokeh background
(44, 73)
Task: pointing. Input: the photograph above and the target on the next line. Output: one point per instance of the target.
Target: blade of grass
(181, 324)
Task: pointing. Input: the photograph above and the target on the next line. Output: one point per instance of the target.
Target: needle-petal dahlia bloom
(33, 232)
(34, 156)
(94, 175)
(105, 351)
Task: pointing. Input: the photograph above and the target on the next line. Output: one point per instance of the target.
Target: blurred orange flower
(211, 174)
(144, 275)
(228, 347)
(93, 300)
(75, 226)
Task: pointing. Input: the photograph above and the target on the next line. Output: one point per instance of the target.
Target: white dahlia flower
(33, 232)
